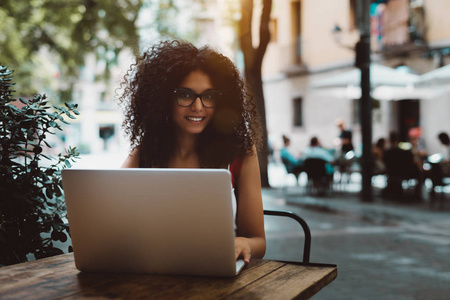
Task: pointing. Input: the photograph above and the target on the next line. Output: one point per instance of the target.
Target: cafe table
(57, 278)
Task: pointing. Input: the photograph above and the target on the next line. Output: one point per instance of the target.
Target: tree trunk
(253, 58)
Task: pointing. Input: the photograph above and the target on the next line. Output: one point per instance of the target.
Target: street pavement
(383, 249)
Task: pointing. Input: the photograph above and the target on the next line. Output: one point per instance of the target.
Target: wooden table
(57, 277)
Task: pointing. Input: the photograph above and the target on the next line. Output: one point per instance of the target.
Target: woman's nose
(197, 105)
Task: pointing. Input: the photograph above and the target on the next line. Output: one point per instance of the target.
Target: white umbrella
(387, 84)
(384, 93)
(409, 92)
(379, 75)
(438, 77)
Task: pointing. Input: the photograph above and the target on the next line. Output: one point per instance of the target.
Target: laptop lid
(155, 221)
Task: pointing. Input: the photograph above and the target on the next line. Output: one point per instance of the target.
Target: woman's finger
(246, 255)
(237, 251)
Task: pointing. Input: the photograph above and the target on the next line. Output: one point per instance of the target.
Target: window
(273, 26)
(296, 30)
(353, 15)
(103, 96)
(298, 112)
(106, 132)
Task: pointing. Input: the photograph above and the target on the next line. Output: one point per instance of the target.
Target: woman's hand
(242, 248)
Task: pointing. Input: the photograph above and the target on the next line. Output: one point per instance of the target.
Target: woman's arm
(250, 240)
(132, 161)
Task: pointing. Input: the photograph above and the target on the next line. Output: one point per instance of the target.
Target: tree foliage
(36, 32)
(31, 202)
(172, 19)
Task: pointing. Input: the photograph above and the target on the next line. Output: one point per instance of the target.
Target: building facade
(314, 41)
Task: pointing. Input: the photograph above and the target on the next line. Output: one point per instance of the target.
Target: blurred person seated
(445, 162)
(345, 155)
(292, 164)
(378, 155)
(445, 141)
(315, 150)
(400, 166)
(417, 148)
(318, 167)
(439, 165)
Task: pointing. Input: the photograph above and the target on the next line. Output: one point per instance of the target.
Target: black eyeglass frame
(195, 96)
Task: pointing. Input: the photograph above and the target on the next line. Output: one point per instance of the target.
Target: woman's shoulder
(132, 160)
(238, 162)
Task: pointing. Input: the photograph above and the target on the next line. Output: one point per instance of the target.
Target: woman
(187, 108)
(292, 164)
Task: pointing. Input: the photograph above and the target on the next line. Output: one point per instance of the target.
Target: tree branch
(245, 32)
(264, 32)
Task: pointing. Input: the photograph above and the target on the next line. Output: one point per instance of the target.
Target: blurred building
(98, 127)
(308, 77)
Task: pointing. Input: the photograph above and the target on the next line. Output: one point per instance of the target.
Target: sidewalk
(383, 249)
(349, 202)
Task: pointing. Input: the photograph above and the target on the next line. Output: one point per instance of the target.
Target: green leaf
(57, 108)
(49, 192)
(46, 157)
(37, 150)
(26, 155)
(57, 190)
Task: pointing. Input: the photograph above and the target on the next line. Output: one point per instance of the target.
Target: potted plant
(32, 208)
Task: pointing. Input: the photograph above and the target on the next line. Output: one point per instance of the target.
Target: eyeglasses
(186, 97)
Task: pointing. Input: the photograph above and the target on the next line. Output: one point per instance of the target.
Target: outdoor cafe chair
(307, 234)
(438, 180)
(303, 224)
(318, 180)
(402, 173)
(285, 164)
(345, 165)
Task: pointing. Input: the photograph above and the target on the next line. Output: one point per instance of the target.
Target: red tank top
(235, 170)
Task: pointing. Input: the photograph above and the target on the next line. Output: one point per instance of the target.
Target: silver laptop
(154, 221)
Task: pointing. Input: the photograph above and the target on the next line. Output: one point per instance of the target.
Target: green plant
(31, 202)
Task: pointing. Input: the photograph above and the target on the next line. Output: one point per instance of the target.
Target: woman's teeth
(194, 119)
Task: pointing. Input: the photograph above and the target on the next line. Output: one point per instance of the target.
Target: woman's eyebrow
(188, 89)
(185, 88)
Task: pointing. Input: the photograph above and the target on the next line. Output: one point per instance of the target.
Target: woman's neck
(185, 152)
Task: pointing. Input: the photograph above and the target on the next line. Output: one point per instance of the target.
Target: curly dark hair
(148, 91)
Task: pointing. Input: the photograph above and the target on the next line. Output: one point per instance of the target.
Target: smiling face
(193, 119)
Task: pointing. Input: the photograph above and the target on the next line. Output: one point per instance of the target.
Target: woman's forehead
(197, 81)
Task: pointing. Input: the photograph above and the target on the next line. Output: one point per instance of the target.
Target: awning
(379, 75)
(387, 84)
(384, 93)
(438, 77)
